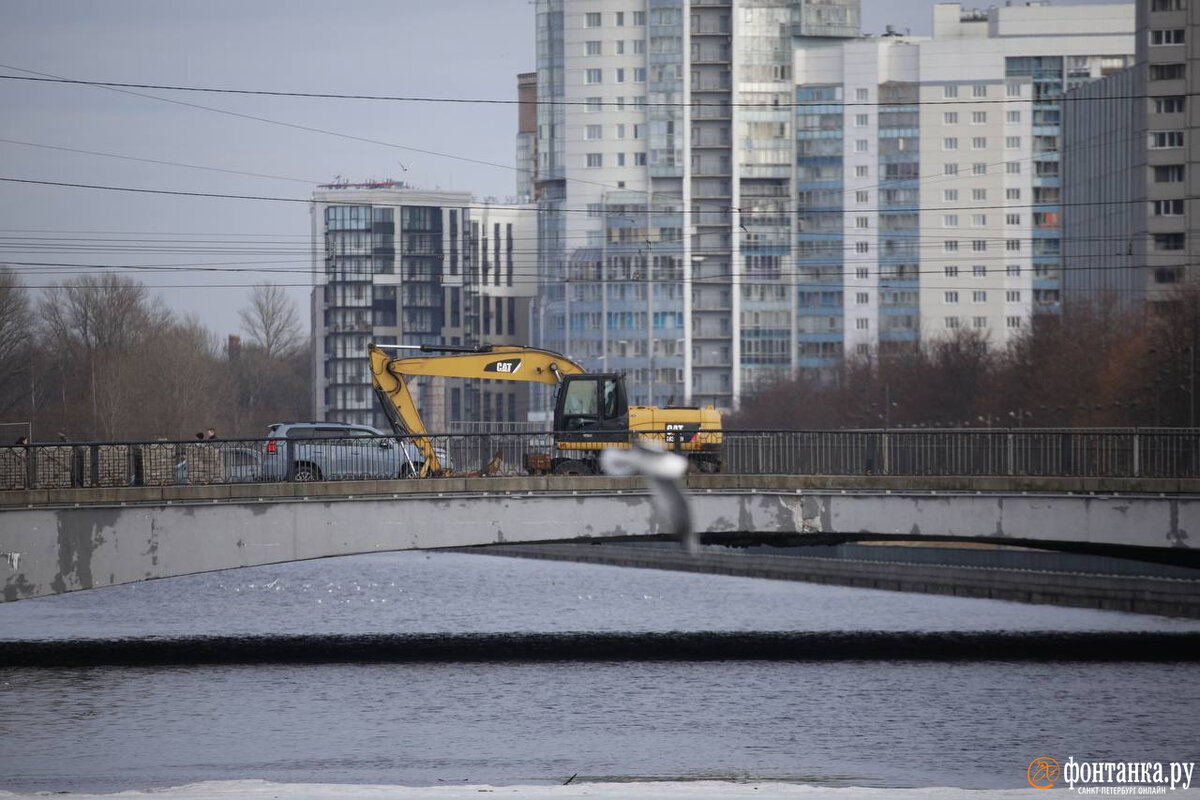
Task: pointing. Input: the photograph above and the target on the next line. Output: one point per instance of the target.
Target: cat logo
(508, 366)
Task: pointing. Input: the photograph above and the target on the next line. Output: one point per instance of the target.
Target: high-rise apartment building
(401, 266)
(736, 189)
(1132, 156)
(929, 176)
(665, 167)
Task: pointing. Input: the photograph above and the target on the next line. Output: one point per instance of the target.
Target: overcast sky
(249, 145)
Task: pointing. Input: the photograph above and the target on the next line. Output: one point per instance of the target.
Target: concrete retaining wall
(1143, 595)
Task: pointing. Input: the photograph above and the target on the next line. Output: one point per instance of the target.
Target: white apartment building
(951, 213)
(396, 265)
(734, 190)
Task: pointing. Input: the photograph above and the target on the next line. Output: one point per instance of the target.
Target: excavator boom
(389, 378)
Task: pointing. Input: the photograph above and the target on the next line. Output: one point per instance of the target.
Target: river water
(832, 724)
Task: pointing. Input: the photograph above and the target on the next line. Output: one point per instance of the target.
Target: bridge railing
(1075, 452)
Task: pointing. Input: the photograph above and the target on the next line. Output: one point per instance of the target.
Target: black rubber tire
(572, 466)
(306, 472)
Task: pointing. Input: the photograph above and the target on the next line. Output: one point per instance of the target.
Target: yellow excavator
(591, 411)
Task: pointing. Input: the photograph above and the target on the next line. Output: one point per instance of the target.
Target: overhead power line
(539, 101)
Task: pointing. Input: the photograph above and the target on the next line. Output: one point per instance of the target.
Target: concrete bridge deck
(59, 540)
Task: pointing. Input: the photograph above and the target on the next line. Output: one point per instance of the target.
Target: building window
(862, 120)
(1167, 208)
(639, 159)
(950, 246)
(862, 222)
(1167, 72)
(1012, 219)
(979, 90)
(1012, 296)
(978, 296)
(861, 145)
(1169, 105)
(950, 298)
(950, 220)
(595, 160)
(639, 74)
(950, 195)
(1165, 140)
(619, 74)
(978, 142)
(979, 194)
(1012, 194)
(1012, 245)
(950, 143)
(592, 76)
(639, 18)
(1013, 89)
(591, 19)
(950, 169)
(1168, 5)
(979, 271)
(862, 171)
(1013, 167)
(1013, 322)
(979, 168)
(620, 159)
(1169, 173)
(979, 245)
(639, 47)
(980, 322)
(1169, 36)
(620, 19)
(593, 131)
(1012, 142)
(862, 197)
(593, 47)
(1013, 270)
(950, 272)
(861, 95)
(862, 298)
(949, 91)
(593, 105)
(950, 118)
(1013, 116)
(862, 324)
(978, 220)
(978, 117)
(862, 247)
(862, 273)
(951, 322)
(1169, 241)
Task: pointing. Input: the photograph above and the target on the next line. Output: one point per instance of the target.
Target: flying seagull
(663, 471)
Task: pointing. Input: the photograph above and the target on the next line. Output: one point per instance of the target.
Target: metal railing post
(1137, 455)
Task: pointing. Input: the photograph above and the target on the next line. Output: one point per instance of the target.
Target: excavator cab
(592, 408)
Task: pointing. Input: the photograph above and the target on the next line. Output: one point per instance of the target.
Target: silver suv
(336, 451)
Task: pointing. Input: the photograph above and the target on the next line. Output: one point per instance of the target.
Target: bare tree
(96, 326)
(16, 342)
(271, 321)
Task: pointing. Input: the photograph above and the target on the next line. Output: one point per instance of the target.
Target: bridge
(66, 537)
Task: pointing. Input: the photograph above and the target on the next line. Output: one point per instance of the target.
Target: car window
(301, 433)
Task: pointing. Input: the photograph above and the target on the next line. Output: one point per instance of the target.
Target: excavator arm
(389, 378)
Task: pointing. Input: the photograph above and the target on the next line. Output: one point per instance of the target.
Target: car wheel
(307, 472)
